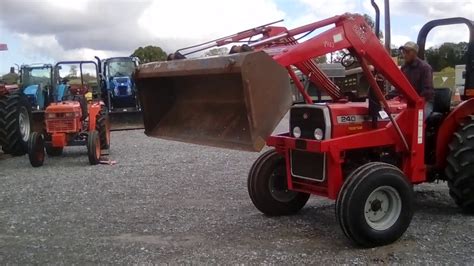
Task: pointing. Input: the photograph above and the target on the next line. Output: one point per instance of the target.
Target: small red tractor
(366, 155)
(75, 117)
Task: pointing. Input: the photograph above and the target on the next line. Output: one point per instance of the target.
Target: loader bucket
(125, 119)
(233, 101)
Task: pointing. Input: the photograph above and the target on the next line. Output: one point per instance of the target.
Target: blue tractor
(119, 92)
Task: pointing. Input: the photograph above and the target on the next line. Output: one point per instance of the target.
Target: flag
(3, 47)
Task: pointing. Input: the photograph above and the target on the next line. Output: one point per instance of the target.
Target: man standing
(419, 73)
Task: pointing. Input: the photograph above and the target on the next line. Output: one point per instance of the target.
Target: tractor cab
(36, 81)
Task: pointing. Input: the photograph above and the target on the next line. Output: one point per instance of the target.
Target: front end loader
(364, 155)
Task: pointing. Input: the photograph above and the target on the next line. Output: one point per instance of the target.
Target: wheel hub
(24, 124)
(279, 187)
(382, 208)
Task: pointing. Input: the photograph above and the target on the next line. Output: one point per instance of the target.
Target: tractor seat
(78, 89)
(442, 100)
(441, 106)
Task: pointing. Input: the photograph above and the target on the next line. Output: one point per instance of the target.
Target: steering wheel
(348, 60)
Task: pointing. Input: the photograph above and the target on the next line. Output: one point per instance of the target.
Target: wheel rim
(278, 185)
(24, 124)
(382, 208)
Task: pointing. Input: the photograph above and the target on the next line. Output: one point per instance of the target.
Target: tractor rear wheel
(267, 186)
(375, 205)
(36, 149)
(54, 151)
(15, 123)
(460, 169)
(93, 147)
(103, 127)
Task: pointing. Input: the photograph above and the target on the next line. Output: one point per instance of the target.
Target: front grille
(123, 90)
(61, 126)
(308, 165)
(307, 118)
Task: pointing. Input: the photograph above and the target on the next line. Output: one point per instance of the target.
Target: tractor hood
(35, 96)
(121, 86)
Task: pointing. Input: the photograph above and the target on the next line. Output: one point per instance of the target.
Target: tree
(73, 71)
(217, 51)
(447, 55)
(371, 23)
(150, 54)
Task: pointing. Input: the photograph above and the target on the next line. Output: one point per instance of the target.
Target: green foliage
(448, 70)
(150, 54)
(371, 23)
(446, 55)
(10, 78)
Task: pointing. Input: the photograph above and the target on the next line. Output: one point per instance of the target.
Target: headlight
(296, 132)
(318, 134)
(50, 115)
(69, 115)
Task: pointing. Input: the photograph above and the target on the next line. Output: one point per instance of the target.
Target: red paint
(450, 125)
(351, 32)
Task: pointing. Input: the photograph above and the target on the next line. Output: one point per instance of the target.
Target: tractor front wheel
(375, 205)
(267, 186)
(460, 169)
(36, 149)
(103, 127)
(93, 147)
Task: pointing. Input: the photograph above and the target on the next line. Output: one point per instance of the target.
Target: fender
(94, 110)
(449, 126)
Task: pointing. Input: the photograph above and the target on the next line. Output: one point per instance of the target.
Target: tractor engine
(327, 121)
(63, 117)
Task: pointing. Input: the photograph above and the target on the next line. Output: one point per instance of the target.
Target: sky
(47, 31)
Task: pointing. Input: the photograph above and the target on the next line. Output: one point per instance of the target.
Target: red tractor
(75, 117)
(366, 155)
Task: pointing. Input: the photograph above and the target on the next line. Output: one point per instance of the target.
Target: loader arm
(351, 32)
(236, 101)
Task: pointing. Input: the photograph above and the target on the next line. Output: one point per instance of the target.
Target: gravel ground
(168, 202)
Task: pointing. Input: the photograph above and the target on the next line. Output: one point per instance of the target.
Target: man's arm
(428, 88)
